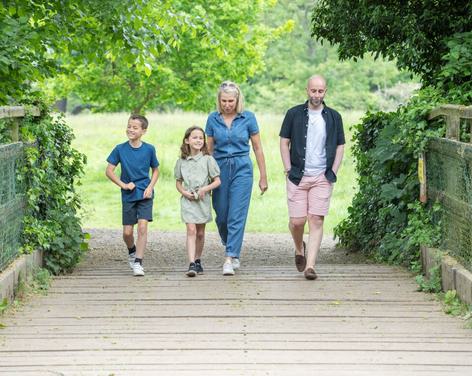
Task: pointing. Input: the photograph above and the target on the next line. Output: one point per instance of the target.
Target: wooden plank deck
(267, 320)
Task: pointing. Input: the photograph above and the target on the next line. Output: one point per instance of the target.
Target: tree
(415, 33)
(295, 56)
(125, 54)
(217, 41)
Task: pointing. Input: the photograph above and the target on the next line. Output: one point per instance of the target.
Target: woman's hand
(263, 185)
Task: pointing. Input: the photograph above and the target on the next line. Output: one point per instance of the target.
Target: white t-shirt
(315, 155)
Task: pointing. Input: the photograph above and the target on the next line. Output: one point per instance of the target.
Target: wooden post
(422, 178)
(15, 130)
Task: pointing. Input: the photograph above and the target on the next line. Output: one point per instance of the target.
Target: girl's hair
(229, 87)
(185, 148)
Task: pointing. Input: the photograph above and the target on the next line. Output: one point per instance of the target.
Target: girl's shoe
(192, 270)
(198, 266)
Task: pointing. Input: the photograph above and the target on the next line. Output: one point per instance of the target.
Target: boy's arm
(110, 173)
(150, 187)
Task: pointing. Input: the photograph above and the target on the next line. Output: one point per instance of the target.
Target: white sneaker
(228, 268)
(131, 258)
(236, 263)
(138, 269)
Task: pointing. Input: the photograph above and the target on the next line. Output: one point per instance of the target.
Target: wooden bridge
(356, 319)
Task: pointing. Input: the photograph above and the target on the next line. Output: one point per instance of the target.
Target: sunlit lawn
(97, 134)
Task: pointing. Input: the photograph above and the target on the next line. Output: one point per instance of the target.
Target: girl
(196, 174)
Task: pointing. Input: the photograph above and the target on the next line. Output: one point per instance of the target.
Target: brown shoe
(310, 274)
(300, 260)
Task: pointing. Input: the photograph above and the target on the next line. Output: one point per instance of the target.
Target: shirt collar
(195, 157)
(305, 107)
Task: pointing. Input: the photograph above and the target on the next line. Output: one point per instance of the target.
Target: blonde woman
(229, 131)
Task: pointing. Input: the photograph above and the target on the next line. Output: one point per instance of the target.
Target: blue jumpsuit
(231, 199)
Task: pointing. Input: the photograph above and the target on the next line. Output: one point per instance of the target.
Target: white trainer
(138, 269)
(236, 263)
(228, 268)
(131, 258)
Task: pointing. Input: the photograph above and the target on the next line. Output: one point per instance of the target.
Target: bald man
(312, 148)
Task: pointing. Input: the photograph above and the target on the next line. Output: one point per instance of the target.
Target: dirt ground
(167, 249)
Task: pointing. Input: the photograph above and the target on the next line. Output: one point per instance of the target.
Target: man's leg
(315, 224)
(296, 226)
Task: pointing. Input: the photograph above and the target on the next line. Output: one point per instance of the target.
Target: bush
(52, 168)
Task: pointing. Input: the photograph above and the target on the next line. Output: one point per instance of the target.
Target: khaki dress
(195, 172)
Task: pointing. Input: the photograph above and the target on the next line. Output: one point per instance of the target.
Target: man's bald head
(318, 80)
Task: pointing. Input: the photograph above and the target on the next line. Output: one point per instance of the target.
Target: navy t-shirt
(135, 165)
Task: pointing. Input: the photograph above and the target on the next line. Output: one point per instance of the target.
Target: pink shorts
(311, 196)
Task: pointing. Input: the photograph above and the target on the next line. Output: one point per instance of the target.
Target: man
(312, 148)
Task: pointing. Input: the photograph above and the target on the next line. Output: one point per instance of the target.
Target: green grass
(97, 134)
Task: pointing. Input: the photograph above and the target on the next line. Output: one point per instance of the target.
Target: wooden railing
(453, 115)
(16, 113)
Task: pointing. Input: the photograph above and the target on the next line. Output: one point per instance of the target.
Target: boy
(136, 157)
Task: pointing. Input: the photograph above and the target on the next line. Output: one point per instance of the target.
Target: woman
(229, 130)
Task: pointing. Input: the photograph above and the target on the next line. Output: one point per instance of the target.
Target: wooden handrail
(453, 114)
(15, 113)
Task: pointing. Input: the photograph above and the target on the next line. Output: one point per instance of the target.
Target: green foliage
(433, 40)
(207, 42)
(385, 215)
(433, 283)
(294, 57)
(3, 305)
(454, 306)
(51, 170)
(41, 280)
(416, 34)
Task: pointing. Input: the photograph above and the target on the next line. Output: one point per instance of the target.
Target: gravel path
(167, 249)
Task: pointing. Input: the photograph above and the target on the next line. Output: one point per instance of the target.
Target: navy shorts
(133, 211)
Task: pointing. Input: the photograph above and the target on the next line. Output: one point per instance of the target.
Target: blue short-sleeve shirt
(135, 165)
(234, 141)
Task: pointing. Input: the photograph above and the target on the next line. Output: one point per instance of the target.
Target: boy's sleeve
(213, 168)
(154, 161)
(114, 157)
(177, 170)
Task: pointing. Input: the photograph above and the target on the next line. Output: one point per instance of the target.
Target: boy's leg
(144, 216)
(142, 238)
(200, 240)
(128, 235)
(191, 241)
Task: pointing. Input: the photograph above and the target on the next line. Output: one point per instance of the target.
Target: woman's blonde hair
(185, 148)
(229, 87)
